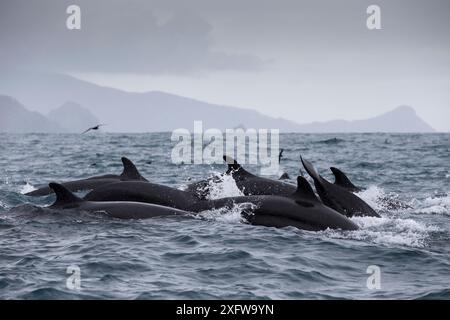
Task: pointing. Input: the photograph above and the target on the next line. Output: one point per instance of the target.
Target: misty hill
(401, 119)
(130, 111)
(14, 117)
(73, 117)
(158, 111)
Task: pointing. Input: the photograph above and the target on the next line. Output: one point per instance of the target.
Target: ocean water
(218, 255)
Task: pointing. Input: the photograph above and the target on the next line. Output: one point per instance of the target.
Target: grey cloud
(116, 36)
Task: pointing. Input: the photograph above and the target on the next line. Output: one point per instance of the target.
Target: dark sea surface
(218, 255)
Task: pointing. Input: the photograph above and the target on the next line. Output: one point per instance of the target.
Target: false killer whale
(302, 209)
(247, 182)
(117, 209)
(130, 173)
(337, 197)
(147, 192)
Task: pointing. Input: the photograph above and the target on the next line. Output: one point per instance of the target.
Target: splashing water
(27, 188)
(436, 205)
(381, 201)
(227, 215)
(223, 186)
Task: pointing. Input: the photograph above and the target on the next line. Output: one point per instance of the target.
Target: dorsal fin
(63, 195)
(304, 190)
(284, 176)
(311, 170)
(130, 172)
(233, 165)
(341, 179)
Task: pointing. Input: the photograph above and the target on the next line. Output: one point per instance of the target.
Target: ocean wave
(49, 293)
(331, 141)
(442, 294)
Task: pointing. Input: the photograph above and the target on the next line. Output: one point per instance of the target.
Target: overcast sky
(300, 60)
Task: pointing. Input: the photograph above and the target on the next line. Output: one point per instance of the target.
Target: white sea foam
(435, 205)
(388, 231)
(27, 188)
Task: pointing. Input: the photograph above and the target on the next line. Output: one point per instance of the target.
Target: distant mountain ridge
(401, 119)
(73, 117)
(158, 111)
(15, 118)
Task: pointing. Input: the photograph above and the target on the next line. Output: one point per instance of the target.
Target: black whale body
(146, 192)
(117, 209)
(130, 173)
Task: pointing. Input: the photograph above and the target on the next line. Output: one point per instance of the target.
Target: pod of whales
(337, 196)
(266, 202)
(117, 209)
(301, 209)
(129, 173)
